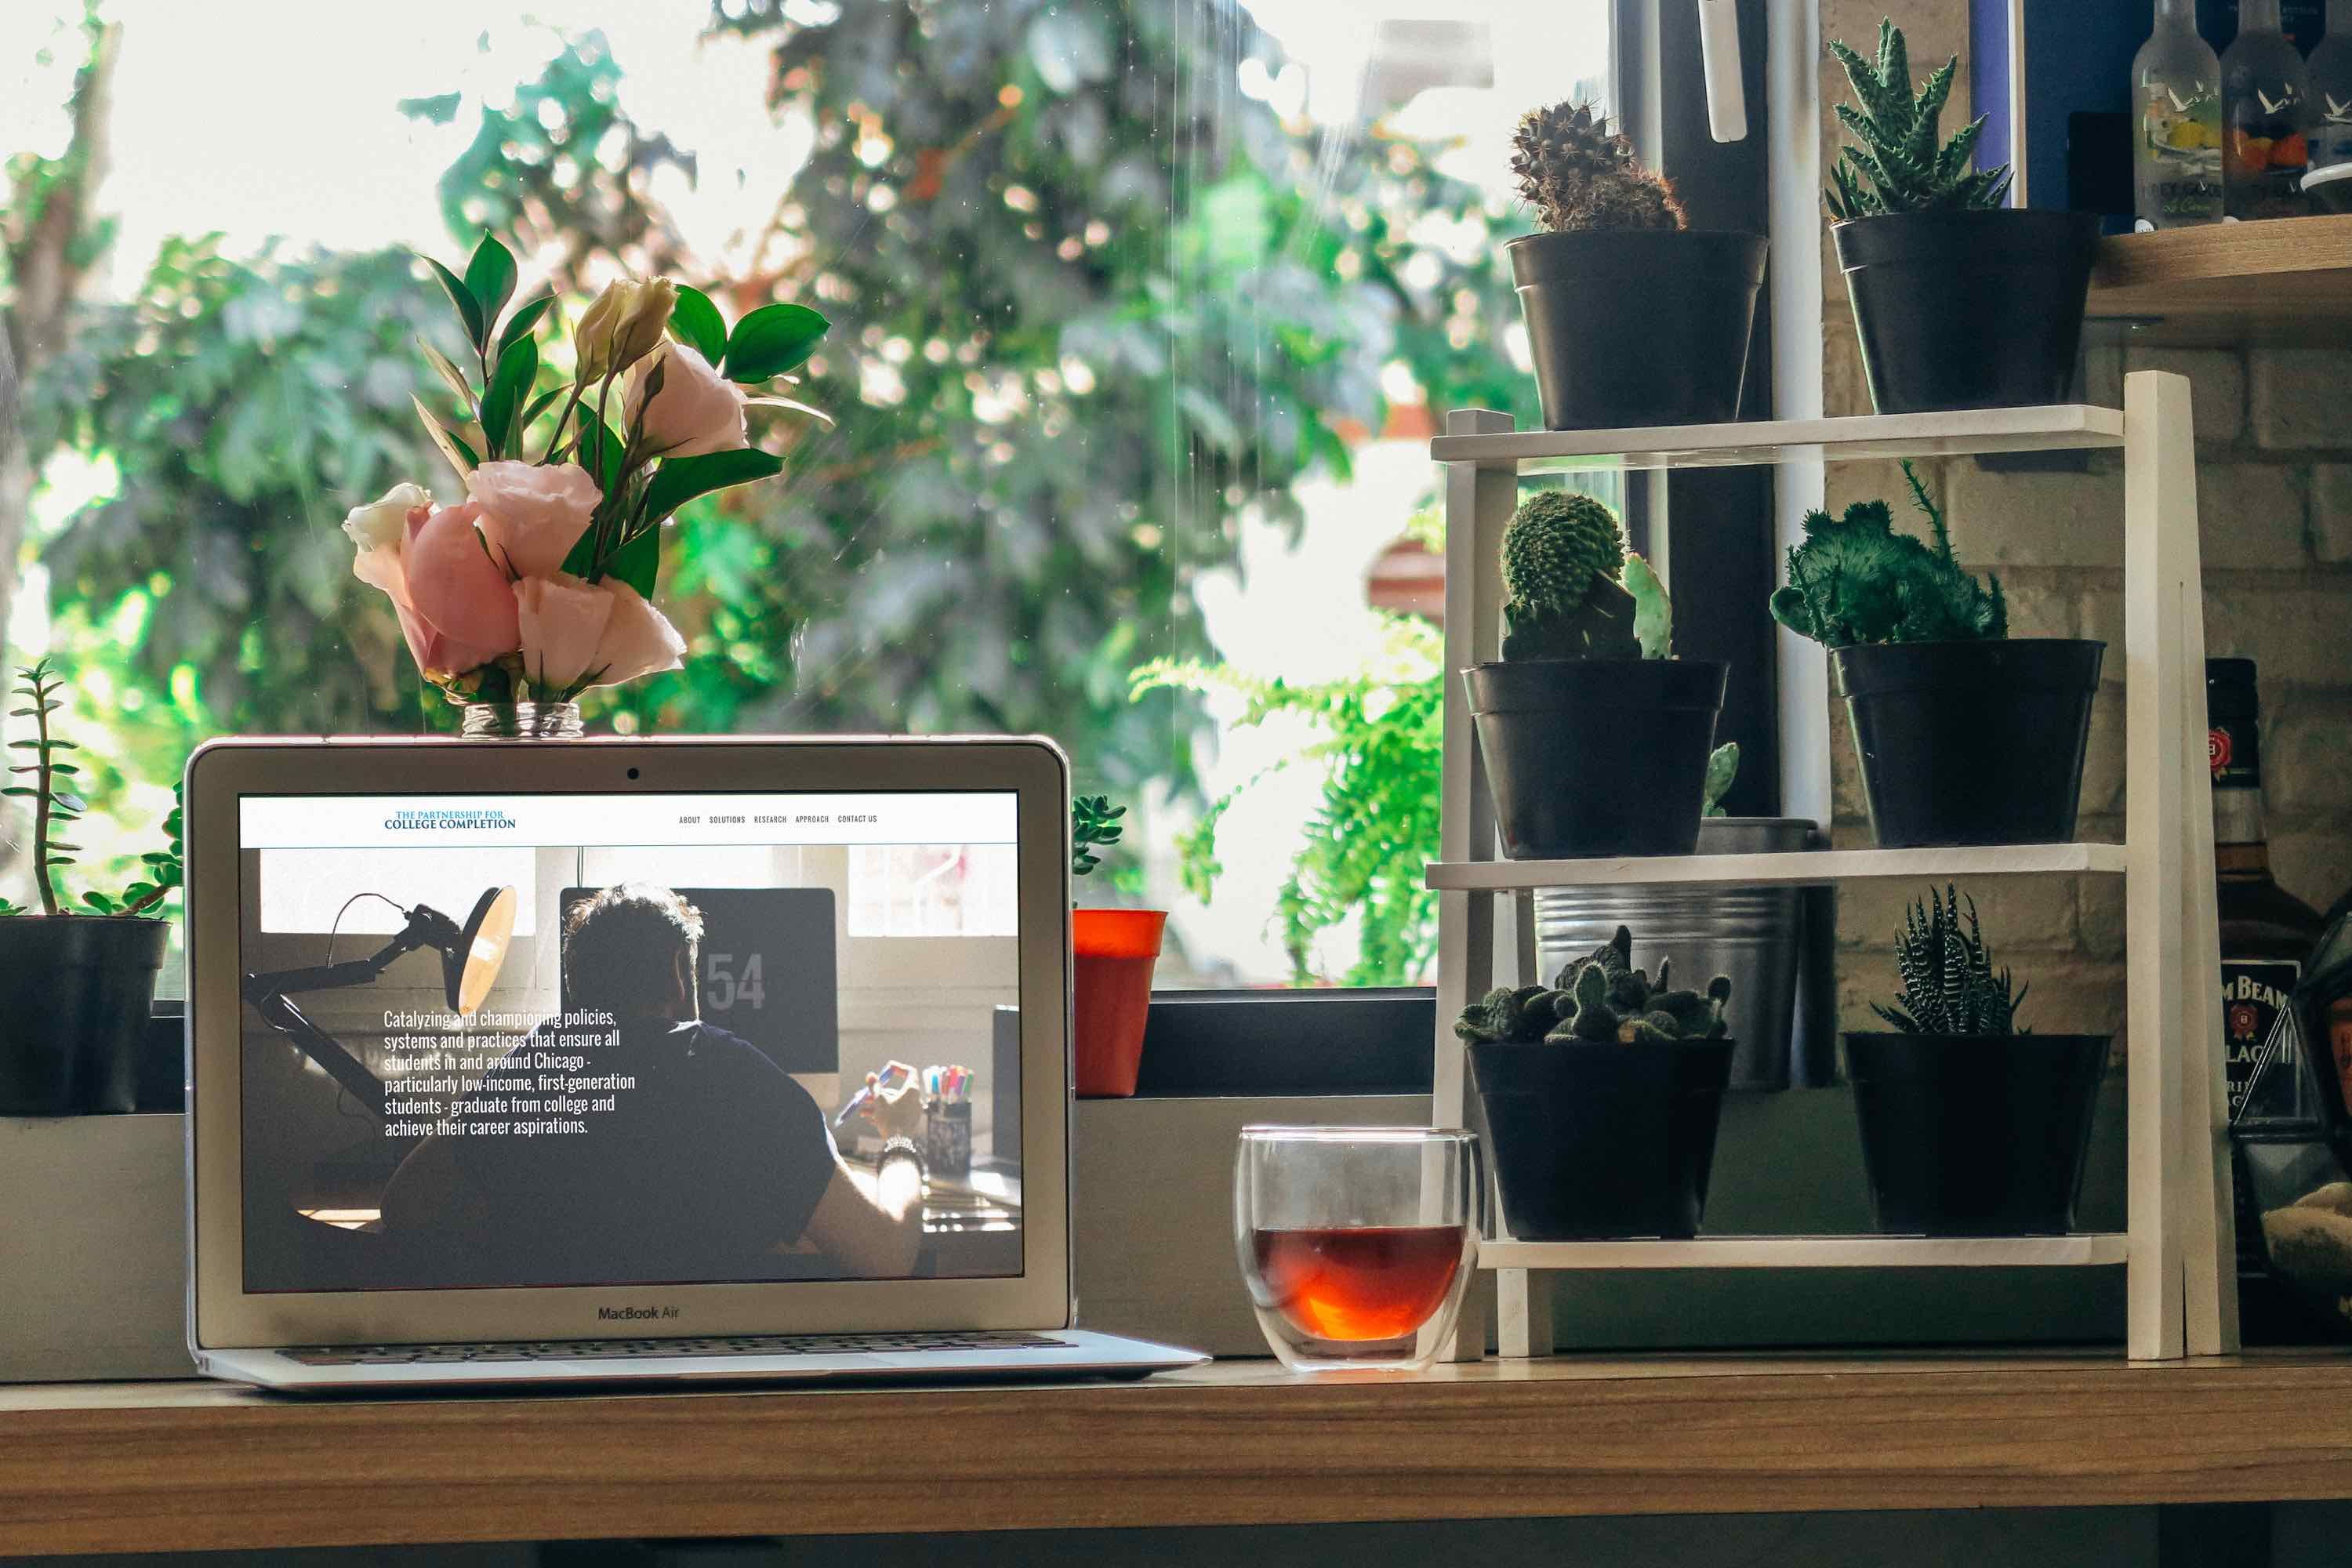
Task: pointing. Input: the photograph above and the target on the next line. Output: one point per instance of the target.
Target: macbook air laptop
(689, 1059)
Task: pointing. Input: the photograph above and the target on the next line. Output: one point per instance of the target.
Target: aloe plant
(1901, 165)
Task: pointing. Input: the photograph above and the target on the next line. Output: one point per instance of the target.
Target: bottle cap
(2232, 708)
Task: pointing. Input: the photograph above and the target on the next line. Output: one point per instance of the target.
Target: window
(1143, 311)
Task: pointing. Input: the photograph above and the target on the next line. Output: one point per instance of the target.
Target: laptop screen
(501, 1040)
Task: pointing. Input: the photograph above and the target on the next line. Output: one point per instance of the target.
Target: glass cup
(1357, 1242)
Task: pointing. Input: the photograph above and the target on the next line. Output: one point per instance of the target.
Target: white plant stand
(2179, 1249)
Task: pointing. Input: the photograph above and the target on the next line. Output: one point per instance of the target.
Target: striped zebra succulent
(1948, 983)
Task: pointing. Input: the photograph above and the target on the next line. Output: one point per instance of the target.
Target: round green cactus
(1556, 547)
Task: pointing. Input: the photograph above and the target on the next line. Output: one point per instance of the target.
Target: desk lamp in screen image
(471, 956)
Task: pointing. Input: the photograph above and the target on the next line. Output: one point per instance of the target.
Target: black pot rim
(1977, 1042)
(1545, 238)
(1959, 218)
(1899, 650)
(1654, 684)
(1686, 1043)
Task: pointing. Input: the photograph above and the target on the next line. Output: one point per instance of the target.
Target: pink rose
(639, 639)
(562, 622)
(533, 514)
(460, 612)
(697, 410)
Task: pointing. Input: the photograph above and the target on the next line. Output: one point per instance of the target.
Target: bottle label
(2233, 750)
(2264, 150)
(2262, 1044)
(2181, 146)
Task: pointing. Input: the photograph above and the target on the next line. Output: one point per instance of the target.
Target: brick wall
(2274, 506)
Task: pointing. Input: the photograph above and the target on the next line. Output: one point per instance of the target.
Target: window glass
(1143, 311)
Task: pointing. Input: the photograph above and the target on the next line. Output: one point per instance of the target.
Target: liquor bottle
(2176, 145)
(2330, 72)
(2277, 1140)
(2265, 107)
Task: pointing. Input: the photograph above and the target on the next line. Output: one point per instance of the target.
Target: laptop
(627, 1058)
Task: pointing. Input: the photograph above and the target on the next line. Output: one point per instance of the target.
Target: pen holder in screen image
(947, 1138)
(1357, 1243)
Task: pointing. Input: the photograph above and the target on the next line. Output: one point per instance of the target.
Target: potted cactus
(76, 984)
(1970, 1126)
(1632, 318)
(1113, 952)
(1601, 1091)
(1964, 735)
(1596, 740)
(1958, 302)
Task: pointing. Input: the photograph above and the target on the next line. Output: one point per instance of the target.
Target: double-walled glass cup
(1357, 1242)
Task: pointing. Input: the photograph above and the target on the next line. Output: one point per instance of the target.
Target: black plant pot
(1596, 756)
(1597, 1140)
(74, 998)
(1970, 1136)
(1967, 310)
(1971, 742)
(1638, 326)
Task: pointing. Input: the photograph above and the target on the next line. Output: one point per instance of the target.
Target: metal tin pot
(1753, 934)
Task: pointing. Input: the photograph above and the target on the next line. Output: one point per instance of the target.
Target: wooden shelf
(2065, 427)
(190, 1467)
(1807, 868)
(1812, 1252)
(2285, 280)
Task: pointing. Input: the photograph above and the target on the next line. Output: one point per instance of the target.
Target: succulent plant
(56, 806)
(1579, 174)
(1855, 579)
(1599, 997)
(1722, 772)
(1093, 824)
(1948, 985)
(1901, 166)
(1571, 588)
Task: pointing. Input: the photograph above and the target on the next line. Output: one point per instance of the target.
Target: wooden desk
(148, 1467)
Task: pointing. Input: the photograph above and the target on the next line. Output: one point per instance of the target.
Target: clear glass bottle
(2266, 115)
(2330, 72)
(2177, 144)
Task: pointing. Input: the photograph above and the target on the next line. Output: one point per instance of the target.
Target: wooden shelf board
(2283, 281)
(1812, 1252)
(2065, 426)
(1802, 867)
(136, 1468)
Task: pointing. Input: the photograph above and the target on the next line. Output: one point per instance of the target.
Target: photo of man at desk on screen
(623, 1080)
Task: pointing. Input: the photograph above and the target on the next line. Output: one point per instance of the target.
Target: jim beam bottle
(2275, 1132)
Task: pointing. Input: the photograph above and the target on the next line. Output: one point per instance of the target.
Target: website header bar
(531, 821)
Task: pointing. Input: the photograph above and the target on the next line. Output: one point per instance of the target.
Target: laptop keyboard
(646, 1350)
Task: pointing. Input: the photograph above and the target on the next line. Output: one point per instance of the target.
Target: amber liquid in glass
(1358, 1282)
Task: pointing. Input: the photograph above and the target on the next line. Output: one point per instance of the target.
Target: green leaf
(639, 562)
(470, 309)
(490, 278)
(451, 377)
(510, 386)
(539, 405)
(601, 452)
(461, 457)
(771, 341)
(695, 321)
(680, 480)
(99, 902)
(63, 768)
(1653, 612)
(523, 320)
(19, 789)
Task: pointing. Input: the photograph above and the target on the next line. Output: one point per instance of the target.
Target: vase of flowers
(539, 584)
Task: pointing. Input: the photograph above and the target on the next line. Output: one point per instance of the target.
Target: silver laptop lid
(625, 1039)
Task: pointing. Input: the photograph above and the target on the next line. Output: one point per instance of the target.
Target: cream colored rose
(533, 514)
(562, 622)
(382, 523)
(624, 324)
(697, 410)
(639, 639)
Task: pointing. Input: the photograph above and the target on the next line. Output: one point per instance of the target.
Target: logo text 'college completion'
(439, 821)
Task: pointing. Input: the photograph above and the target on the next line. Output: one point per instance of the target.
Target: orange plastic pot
(1114, 951)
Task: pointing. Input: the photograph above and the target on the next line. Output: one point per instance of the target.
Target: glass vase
(521, 721)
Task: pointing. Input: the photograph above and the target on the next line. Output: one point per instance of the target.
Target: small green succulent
(1094, 825)
(1855, 579)
(1571, 588)
(1599, 997)
(1948, 983)
(1901, 166)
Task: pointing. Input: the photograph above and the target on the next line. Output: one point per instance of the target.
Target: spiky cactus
(1948, 984)
(1855, 579)
(1599, 997)
(1571, 588)
(1900, 167)
(1579, 174)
